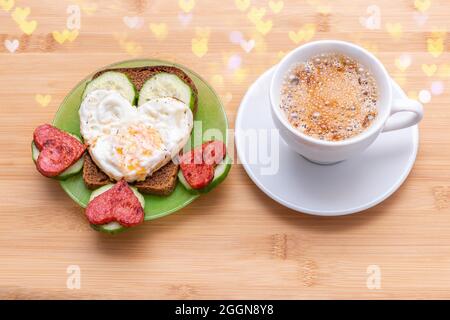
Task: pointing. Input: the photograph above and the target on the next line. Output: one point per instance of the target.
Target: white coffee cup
(327, 152)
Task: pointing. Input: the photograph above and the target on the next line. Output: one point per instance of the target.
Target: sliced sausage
(198, 164)
(117, 204)
(58, 150)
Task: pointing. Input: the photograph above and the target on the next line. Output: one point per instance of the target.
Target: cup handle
(412, 107)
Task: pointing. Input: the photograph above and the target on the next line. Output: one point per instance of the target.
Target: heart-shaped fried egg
(129, 142)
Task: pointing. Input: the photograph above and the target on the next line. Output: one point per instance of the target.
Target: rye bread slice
(163, 181)
(93, 177)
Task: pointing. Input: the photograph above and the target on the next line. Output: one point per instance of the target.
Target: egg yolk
(134, 144)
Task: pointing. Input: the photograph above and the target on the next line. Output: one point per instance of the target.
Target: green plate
(210, 113)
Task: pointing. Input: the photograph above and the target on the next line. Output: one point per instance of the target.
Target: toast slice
(93, 177)
(164, 180)
(161, 183)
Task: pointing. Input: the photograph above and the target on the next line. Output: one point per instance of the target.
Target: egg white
(129, 142)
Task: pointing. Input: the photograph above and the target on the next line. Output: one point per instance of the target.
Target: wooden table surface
(234, 242)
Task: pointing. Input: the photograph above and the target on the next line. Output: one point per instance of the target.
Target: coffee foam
(330, 97)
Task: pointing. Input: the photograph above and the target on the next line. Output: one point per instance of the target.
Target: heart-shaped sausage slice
(58, 150)
(118, 204)
(198, 164)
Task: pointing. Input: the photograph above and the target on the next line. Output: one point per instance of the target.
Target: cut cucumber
(110, 228)
(99, 191)
(113, 80)
(34, 151)
(113, 227)
(166, 85)
(70, 171)
(220, 173)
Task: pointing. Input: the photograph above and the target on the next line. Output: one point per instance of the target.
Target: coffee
(330, 97)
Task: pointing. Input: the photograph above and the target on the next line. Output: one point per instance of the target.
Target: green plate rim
(163, 62)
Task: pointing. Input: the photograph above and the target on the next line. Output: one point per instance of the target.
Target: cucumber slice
(70, 171)
(99, 191)
(110, 228)
(220, 173)
(113, 227)
(166, 85)
(34, 151)
(113, 80)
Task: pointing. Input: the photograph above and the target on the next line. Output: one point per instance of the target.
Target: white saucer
(327, 190)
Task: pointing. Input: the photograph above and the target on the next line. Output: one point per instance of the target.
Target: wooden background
(234, 242)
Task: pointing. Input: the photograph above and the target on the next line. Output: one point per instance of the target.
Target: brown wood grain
(234, 242)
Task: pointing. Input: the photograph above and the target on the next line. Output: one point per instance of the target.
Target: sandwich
(150, 82)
